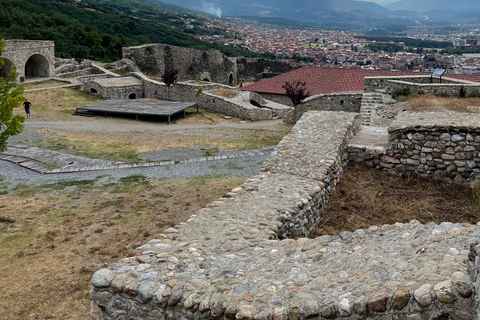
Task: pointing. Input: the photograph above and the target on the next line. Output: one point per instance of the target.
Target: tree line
(99, 28)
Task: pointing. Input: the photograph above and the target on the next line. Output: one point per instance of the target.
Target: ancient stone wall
(474, 271)
(348, 102)
(227, 261)
(444, 145)
(421, 85)
(114, 87)
(198, 91)
(192, 64)
(31, 58)
(252, 69)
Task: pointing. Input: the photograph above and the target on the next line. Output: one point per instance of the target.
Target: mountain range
(342, 13)
(434, 5)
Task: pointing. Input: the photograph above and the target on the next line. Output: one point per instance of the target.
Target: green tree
(11, 96)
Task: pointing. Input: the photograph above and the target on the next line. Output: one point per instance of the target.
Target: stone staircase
(370, 101)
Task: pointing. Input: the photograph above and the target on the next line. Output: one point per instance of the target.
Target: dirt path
(121, 126)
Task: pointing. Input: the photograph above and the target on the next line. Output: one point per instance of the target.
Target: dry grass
(433, 103)
(57, 104)
(229, 94)
(366, 197)
(43, 84)
(52, 241)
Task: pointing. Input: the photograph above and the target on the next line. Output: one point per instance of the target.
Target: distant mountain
(275, 8)
(430, 5)
(344, 14)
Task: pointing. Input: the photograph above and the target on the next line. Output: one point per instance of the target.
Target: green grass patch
(108, 151)
(44, 84)
(62, 184)
(209, 152)
(134, 178)
(254, 140)
(117, 203)
(232, 165)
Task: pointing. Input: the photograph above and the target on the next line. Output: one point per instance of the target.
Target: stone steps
(370, 101)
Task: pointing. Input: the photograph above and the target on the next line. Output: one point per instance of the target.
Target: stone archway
(132, 96)
(6, 68)
(230, 80)
(37, 66)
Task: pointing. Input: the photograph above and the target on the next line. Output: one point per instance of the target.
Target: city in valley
(420, 49)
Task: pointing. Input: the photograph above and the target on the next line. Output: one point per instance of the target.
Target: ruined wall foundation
(245, 255)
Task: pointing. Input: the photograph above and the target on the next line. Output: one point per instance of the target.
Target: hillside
(101, 28)
(432, 5)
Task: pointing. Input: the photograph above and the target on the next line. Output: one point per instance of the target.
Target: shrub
(296, 91)
(405, 92)
(170, 76)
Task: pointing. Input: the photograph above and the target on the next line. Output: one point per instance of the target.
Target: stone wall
(348, 102)
(253, 69)
(474, 271)
(227, 261)
(240, 106)
(421, 85)
(68, 68)
(31, 58)
(445, 145)
(192, 64)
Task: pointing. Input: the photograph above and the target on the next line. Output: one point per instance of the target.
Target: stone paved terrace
(229, 261)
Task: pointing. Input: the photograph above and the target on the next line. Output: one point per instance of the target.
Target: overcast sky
(382, 2)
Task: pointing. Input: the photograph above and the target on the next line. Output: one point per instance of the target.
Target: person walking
(27, 104)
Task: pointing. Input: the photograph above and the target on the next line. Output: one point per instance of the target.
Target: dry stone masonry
(441, 144)
(447, 87)
(212, 66)
(245, 256)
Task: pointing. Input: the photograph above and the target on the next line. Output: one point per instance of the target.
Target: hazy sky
(382, 1)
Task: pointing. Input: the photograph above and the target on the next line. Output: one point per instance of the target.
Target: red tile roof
(321, 80)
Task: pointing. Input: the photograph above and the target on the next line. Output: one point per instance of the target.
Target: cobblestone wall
(445, 145)
(226, 261)
(421, 84)
(474, 271)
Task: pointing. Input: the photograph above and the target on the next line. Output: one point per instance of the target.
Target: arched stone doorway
(93, 91)
(230, 80)
(6, 68)
(132, 96)
(36, 66)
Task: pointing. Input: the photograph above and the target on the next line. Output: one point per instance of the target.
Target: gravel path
(246, 166)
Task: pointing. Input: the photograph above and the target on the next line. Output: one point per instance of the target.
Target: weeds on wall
(476, 198)
(401, 94)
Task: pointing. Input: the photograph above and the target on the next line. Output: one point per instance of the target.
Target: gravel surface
(246, 166)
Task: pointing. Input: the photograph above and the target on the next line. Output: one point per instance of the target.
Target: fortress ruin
(31, 59)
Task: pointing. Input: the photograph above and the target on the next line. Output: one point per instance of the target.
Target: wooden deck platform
(138, 107)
